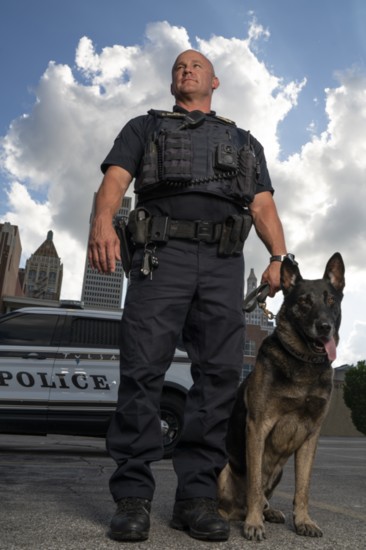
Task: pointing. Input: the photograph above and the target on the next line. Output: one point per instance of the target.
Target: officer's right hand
(103, 247)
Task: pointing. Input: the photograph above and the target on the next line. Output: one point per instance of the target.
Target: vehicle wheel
(171, 415)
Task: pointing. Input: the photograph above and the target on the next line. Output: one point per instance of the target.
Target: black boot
(201, 518)
(131, 522)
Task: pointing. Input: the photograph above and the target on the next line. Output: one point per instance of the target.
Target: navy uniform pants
(195, 290)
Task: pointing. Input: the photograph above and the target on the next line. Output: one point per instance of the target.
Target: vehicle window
(35, 330)
(180, 344)
(98, 333)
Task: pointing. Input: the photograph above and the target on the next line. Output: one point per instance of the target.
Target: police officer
(200, 183)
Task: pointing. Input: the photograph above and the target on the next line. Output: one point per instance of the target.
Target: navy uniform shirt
(128, 151)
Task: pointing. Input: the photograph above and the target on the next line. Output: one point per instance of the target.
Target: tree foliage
(354, 394)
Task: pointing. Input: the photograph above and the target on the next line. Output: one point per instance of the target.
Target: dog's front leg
(304, 459)
(254, 524)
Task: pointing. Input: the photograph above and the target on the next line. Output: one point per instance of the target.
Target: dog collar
(306, 358)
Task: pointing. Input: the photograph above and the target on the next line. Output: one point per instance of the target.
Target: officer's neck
(203, 105)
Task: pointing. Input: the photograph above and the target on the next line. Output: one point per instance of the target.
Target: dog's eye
(328, 299)
(304, 301)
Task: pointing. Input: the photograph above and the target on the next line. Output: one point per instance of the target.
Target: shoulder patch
(225, 120)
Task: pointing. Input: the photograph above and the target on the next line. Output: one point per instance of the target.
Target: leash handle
(257, 296)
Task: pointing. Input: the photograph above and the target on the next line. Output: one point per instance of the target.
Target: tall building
(10, 252)
(43, 272)
(257, 327)
(104, 290)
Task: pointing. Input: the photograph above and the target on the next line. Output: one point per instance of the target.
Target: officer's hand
(103, 248)
(272, 276)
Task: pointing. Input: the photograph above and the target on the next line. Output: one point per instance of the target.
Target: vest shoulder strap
(179, 116)
(166, 114)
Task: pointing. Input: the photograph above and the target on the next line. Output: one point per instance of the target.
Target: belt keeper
(159, 228)
(204, 231)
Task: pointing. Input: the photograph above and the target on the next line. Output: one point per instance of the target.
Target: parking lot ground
(54, 496)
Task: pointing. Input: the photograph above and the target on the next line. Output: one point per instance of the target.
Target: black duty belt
(163, 228)
(146, 230)
(230, 234)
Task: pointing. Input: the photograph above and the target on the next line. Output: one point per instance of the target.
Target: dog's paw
(308, 529)
(254, 532)
(273, 516)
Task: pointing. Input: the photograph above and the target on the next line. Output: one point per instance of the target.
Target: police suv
(59, 374)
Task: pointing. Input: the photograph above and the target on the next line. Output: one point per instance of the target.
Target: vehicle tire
(171, 415)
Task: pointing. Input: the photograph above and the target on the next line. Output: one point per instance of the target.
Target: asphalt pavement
(54, 496)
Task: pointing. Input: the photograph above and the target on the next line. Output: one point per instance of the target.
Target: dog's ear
(334, 271)
(290, 275)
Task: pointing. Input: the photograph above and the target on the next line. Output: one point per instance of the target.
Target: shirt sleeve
(128, 148)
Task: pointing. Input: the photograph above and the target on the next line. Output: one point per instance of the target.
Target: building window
(250, 348)
(245, 371)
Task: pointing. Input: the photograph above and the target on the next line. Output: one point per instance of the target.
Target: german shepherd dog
(281, 405)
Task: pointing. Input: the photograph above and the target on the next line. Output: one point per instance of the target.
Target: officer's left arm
(269, 229)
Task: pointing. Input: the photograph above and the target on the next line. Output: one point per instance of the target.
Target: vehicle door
(85, 375)
(28, 349)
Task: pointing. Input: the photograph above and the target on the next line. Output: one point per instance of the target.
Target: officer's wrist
(281, 257)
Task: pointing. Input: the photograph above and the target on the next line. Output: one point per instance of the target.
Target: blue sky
(309, 38)
(291, 71)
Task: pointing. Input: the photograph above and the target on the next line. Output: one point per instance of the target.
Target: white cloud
(52, 154)
(249, 93)
(354, 349)
(323, 187)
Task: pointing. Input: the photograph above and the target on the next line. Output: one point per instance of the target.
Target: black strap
(164, 228)
(257, 296)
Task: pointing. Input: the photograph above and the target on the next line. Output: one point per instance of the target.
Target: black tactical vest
(195, 152)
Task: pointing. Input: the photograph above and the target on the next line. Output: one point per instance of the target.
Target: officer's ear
(215, 83)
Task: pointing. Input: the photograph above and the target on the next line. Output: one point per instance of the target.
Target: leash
(258, 297)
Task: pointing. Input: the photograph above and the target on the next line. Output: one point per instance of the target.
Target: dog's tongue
(330, 348)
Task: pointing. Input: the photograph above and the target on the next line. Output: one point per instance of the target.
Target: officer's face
(193, 74)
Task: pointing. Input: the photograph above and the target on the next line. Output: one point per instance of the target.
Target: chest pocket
(175, 149)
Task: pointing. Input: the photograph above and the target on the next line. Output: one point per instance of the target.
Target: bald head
(193, 81)
(196, 54)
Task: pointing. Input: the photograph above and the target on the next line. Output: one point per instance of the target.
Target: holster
(126, 245)
(235, 231)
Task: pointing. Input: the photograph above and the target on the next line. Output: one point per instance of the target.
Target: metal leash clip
(258, 297)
